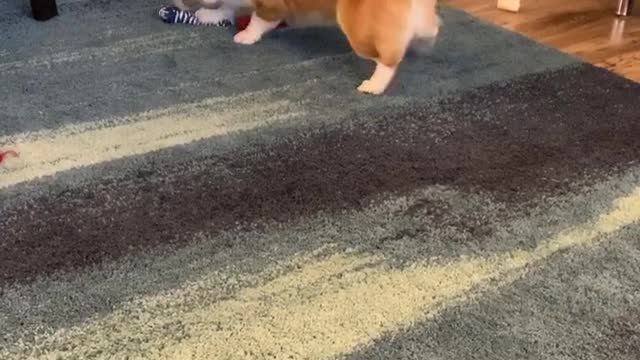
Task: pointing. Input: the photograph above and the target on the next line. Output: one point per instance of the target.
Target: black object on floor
(44, 9)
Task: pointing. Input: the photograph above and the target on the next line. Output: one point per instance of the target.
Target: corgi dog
(378, 30)
(213, 11)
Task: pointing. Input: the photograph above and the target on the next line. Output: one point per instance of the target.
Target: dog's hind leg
(427, 24)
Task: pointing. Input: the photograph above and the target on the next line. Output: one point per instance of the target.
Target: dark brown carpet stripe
(478, 140)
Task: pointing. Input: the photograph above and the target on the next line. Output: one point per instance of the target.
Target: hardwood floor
(586, 28)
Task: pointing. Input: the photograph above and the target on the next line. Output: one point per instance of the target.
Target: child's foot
(212, 16)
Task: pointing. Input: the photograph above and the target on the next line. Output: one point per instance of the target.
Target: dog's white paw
(246, 37)
(211, 16)
(370, 87)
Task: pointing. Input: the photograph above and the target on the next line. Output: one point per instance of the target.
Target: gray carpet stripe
(70, 88)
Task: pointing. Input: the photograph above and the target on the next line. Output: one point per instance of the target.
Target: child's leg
(215, 16)
(180, 5)
(257, 27)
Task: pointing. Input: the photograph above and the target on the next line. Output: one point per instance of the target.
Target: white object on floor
(509, 5)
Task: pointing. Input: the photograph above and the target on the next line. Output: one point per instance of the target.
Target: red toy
(4, 154)
(243, 21)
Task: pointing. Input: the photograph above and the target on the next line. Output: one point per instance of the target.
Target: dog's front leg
(254, 31)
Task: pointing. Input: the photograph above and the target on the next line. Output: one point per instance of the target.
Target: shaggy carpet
(181, 197)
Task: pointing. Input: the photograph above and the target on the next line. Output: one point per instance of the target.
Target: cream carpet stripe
(46, 153)
(326, 309)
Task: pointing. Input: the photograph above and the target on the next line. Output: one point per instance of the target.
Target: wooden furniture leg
(43, 10)
(624, 7)
(509, 5)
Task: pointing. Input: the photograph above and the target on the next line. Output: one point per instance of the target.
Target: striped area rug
(178, 196)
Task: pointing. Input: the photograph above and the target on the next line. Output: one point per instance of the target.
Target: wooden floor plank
(588, 29)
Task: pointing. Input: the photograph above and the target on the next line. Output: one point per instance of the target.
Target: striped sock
(173, 15)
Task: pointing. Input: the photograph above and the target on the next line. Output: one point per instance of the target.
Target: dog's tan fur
(380, 30)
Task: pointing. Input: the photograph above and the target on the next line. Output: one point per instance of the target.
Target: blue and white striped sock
(173, 15)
